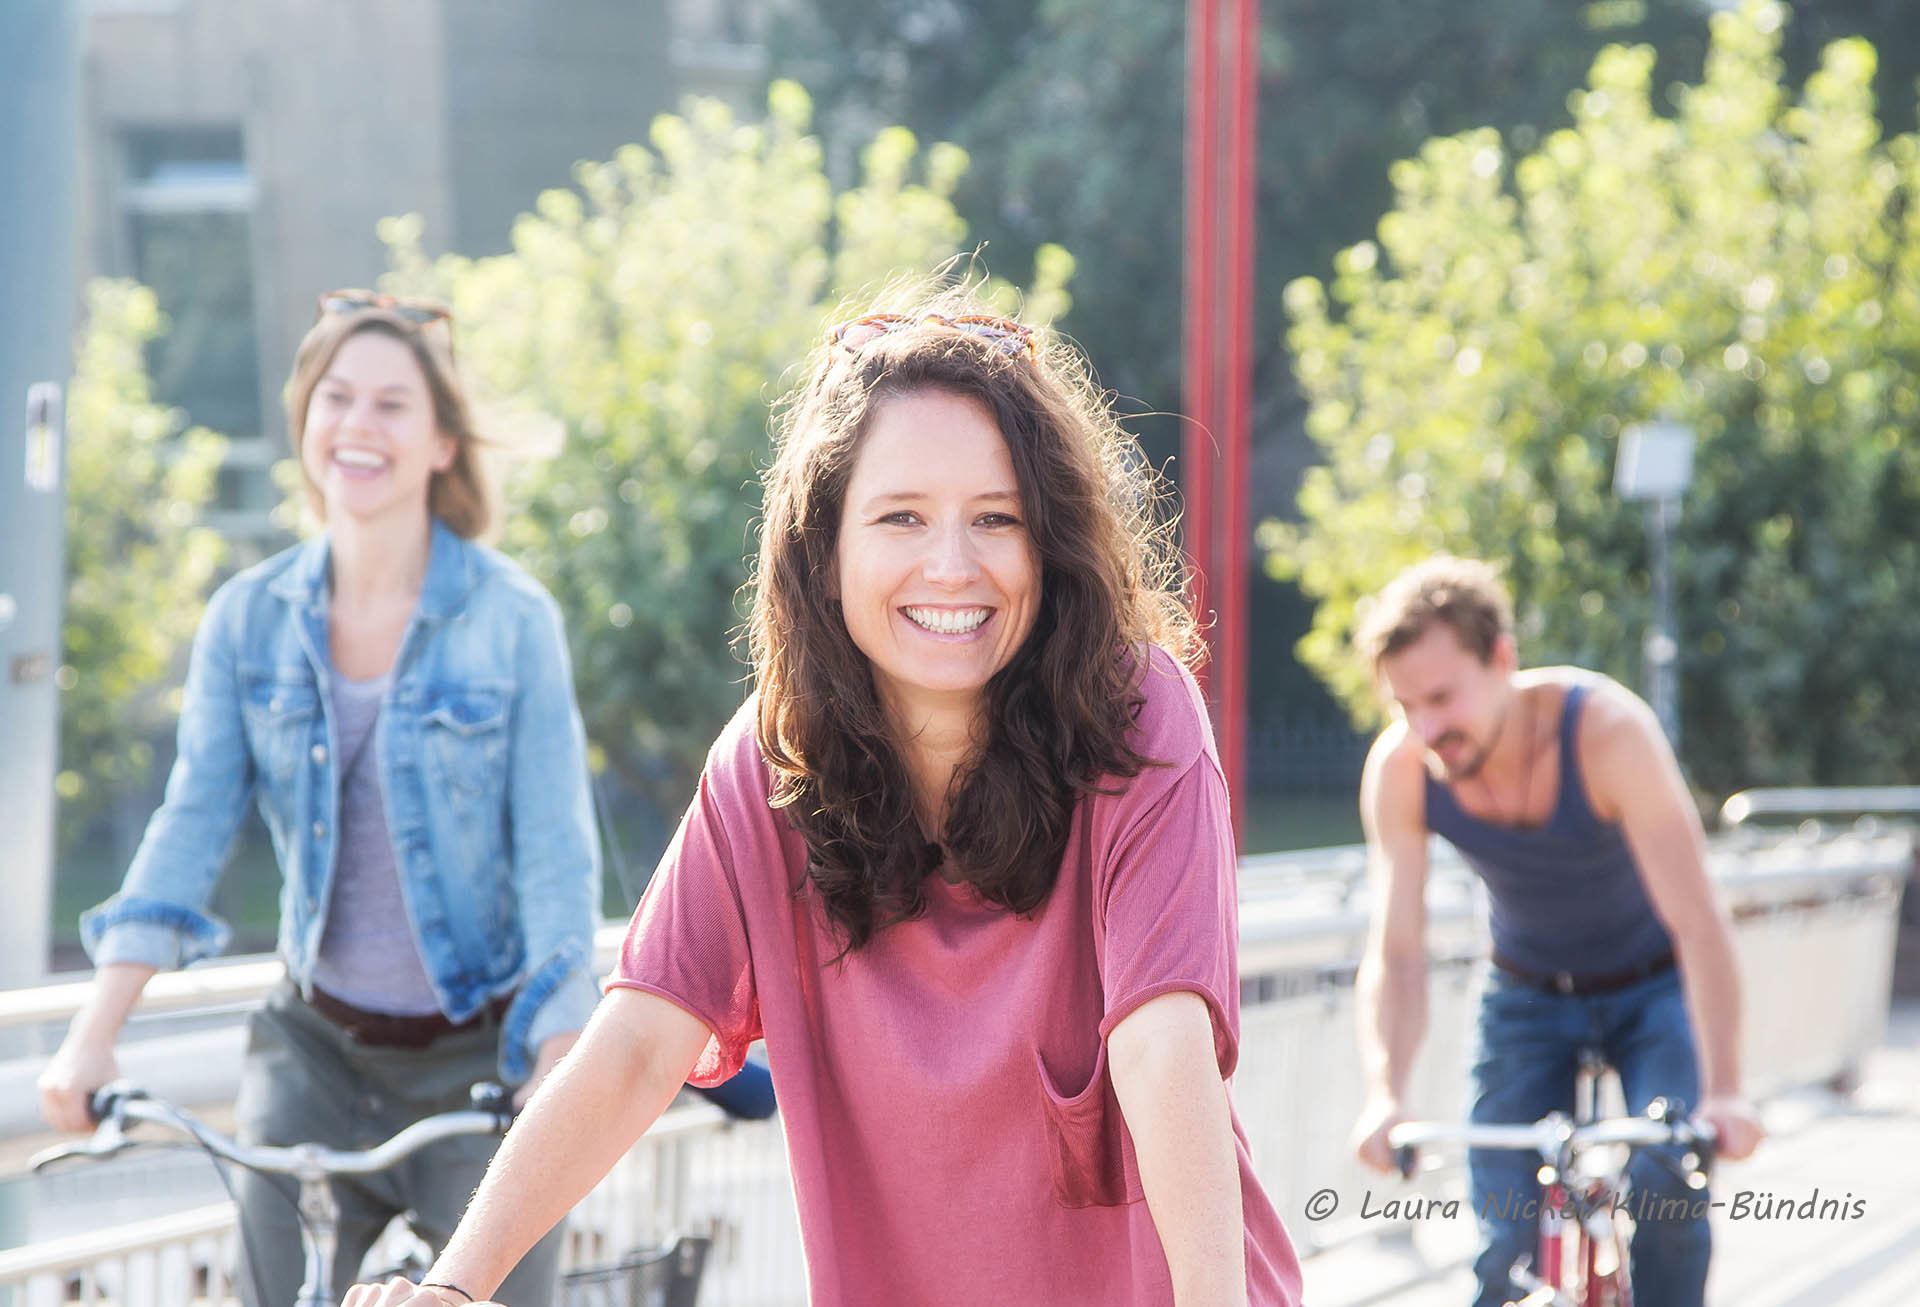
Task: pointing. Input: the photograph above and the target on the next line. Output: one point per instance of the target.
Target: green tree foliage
(1749, 265)
(139, 561)
(1072, 112)
(653, 311)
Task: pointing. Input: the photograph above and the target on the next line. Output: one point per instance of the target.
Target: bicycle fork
(1602, 1282)
(1543, 1289)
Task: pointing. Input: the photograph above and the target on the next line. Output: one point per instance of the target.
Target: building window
(189, 204)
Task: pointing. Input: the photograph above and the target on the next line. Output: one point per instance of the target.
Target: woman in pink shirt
(963, 860)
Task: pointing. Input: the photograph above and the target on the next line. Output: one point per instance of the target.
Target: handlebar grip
(491, 1096)
(105, 1101)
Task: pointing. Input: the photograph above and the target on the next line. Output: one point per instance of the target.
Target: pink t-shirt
(953, 1133)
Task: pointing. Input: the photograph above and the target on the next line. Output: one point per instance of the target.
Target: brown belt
(388, 1030)
(1562, 982)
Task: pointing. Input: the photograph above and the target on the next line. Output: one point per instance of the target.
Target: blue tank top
(1565, 896)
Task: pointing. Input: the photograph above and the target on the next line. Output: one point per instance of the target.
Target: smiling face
(371, 446)
(937, 578)
(1452, 701)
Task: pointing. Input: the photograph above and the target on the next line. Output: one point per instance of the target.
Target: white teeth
(358, 458)
(946, 621)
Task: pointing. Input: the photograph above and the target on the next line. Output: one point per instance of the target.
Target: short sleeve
(688, 940)
(1166, 908)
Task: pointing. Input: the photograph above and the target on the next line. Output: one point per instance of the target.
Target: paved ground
(1865, 1148)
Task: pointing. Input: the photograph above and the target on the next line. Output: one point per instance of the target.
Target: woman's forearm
(1175, 1104)
(84, 1060)
(629, 1063)
(116, 988)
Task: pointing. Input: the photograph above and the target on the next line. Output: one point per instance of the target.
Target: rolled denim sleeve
(160, 915)
(556, 852)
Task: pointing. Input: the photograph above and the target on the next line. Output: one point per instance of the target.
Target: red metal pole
(1201, 277)
(1237, 384)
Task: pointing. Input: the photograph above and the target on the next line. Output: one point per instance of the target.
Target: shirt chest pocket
(281, 715)
(1090, 1154)
(465, 734)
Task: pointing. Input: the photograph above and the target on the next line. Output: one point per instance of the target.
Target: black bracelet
(442, 1284)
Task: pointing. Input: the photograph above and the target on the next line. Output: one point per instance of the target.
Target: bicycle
(1586, 1207)
(674, 1271)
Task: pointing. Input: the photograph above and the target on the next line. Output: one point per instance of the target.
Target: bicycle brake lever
(109, 1137)
(110, 1140)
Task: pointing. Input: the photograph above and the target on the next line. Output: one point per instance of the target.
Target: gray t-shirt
(368, 956)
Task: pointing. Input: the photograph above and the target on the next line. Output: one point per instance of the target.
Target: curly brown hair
(1465, 595)
(1058, 715)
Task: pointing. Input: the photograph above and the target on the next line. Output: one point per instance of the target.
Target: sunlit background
(1521, 241)
(1498, 242)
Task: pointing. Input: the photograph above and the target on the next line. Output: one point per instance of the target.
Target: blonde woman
(396, 699)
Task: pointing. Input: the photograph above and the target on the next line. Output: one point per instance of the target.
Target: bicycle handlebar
(1554, 1136)
(1549, 1135)
(117, 1104)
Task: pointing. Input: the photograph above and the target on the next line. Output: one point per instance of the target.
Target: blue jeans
(1526, 1053)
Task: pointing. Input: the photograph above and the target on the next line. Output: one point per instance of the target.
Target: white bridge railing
(1806, 906)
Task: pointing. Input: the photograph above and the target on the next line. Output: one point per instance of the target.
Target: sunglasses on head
(1014, 339)
(405, 307)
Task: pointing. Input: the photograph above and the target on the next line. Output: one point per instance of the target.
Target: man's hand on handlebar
(1370, 1143)
(1735, 1124)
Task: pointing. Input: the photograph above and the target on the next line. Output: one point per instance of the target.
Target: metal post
(1655, 465)
(1220, 172)
(1237, 403)
(1201, 260)
(39, 104)
(1662, 644)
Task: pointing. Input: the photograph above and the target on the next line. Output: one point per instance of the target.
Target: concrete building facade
(238, 155)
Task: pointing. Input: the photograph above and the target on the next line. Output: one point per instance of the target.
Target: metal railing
(1824, 801)
(169, 1261)
(695, 1171)
(1805, 904)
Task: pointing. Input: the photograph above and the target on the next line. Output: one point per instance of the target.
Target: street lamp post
(1655, 464)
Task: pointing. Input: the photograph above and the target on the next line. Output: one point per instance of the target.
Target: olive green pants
(305, 1080)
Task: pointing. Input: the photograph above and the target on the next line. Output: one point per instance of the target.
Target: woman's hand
(402, 1292)
(552, 1049)
(82, 1065)
(85, 1060)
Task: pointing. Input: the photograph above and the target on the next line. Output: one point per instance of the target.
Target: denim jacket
(482, 764)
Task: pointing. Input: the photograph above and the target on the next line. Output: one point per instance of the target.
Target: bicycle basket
(646, 1277)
